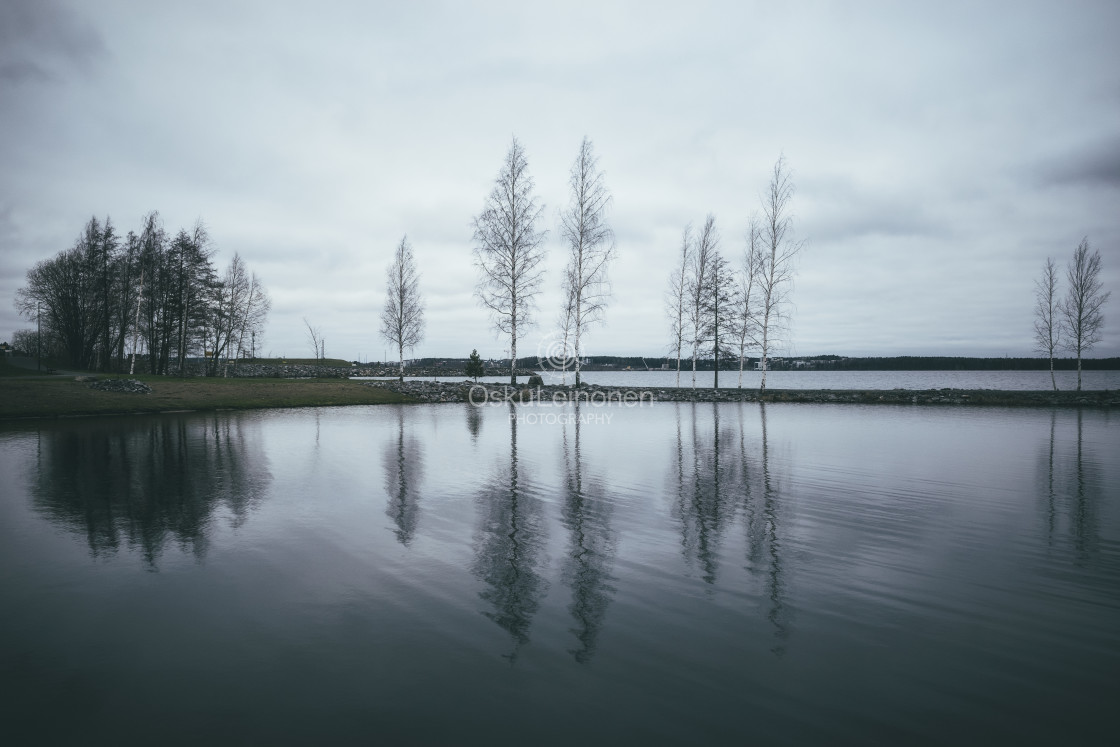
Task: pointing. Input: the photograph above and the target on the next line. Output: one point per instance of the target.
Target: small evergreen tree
(474, 365)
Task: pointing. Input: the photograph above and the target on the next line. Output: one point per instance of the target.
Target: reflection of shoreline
(144, 484)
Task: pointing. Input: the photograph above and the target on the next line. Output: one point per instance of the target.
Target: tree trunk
(715, 383)
(765, 345)
(577, 344)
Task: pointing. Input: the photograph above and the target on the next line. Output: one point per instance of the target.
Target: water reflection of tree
(509, 546)
(1072, 490)
(779, 613)
(404, 469)
(474, 420)
(705, 489)
(715, 472)
(592, 545)
(148, 482)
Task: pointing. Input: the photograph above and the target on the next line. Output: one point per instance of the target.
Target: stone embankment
(301, 371)
(123, 386)
(466, 391)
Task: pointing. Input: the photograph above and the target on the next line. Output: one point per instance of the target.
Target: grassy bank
(63, 396)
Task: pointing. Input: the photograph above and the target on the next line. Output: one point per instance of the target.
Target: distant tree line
(101, 302)
(949, 363)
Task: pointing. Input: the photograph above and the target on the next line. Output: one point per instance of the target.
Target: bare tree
(677, 300)
(779, 249)
(699, 281)
(567, 322)
(1047, 320)
(1081, 309)
(745, 313)
(402, 319)
(507, 250)
(720, 300)
(315, 337)
(590, 243)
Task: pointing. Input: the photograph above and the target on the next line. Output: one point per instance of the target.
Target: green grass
(9, 370)
(63, 396)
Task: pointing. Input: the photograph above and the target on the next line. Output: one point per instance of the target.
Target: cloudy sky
(940, 151)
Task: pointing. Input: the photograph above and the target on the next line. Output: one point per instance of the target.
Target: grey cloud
(1096, 165)
(42, 41)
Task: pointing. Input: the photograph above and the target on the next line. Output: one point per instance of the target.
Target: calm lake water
(734, 573)
(1002, 380)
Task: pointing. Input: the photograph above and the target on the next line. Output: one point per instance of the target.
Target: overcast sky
(940, 152)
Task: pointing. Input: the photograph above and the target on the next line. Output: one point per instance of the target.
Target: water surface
(670, 574)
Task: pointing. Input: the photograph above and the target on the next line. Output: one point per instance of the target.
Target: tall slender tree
(402, 319)
(745, 312)
(1081, 309)
(1047, 319)
(590, 244)
(508, 251)
(704, 256)
(775, 272)
(719, 304)
(676, 302)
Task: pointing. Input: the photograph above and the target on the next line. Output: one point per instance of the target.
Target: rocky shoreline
(467, 391)
(305, 371)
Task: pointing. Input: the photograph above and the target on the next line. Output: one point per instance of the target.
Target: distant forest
(810, 363)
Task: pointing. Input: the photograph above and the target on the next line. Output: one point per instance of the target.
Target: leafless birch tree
(677, 299)
(745, 312)
(779, 250)
(566, 322)
(507, 251)
(700, 277)
(1047, 319)
(590, 244)
(1081, 309)
(402, 319)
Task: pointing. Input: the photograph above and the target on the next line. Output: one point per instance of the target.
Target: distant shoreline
(489, 394)
(58, 397)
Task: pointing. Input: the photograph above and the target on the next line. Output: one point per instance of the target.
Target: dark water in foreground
(680, 574)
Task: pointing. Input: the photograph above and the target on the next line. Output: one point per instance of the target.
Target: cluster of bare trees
(725, 311)
(109, 297)
(509, 252)
(1071, 322)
